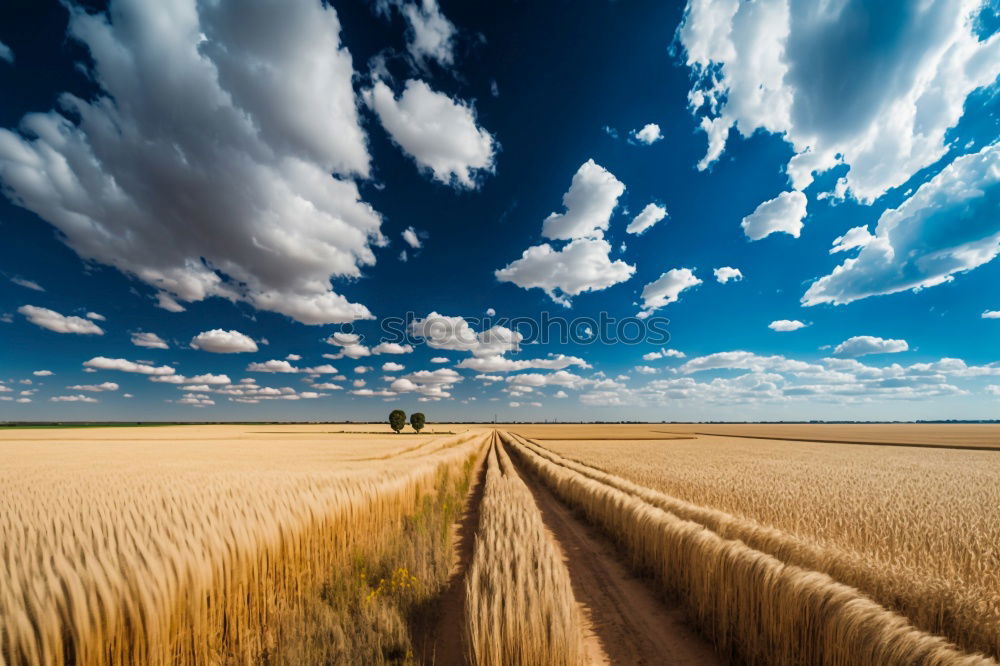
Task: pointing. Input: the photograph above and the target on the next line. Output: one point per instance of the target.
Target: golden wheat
(520, 609)
(754, 606)
(915, 529)
(186, 549)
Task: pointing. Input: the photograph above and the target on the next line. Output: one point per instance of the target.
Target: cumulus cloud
(663, 353)
(440, 359)
(219, 341)
(73, 398)
(649, 216)
(784, 213)
(392, 367)
(350, 346)
(726, 273)
(649, 134)
(412, 239)
(207, 378)
(785, 325)
(276, 366)
(431, 34)
(268, 114)
(123, 365)
(428, 383)
(149, 340)
(666, 289)
(391, 348)
(991, 314)
(582, 265)
(745, 360)
(860, 345)
(455, 333)
(590, 200)
(948, 226)
(488, 364)
(43, 373)
(438, 132)
(53, 321)
(874, 87)
(95, 388)
(646, 370)
(855, 237)
(27, 284)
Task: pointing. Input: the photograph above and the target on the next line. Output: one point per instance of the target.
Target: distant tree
(397, 419)
(418, 421)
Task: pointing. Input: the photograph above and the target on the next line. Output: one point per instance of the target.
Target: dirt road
(625, 622)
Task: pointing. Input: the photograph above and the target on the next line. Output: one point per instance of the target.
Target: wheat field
(916, 529)
(203, 545)
(338, 545)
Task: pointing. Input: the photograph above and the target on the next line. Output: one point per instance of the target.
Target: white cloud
(43, 373)
(454, 333)
(744, 360)
(582, 265)
(786, 325)
(391, 348)
(273, 365)
(392, 367)
(490, 312)
(54, 321)
(197, 379)
(590, 200)
(430, 35)
(667, 289)
(784, 213)
(501, 364)
(95, 388)
(73, 398)
(663, 353)
(350, 346)
(646, 370)
(648, 135)
(149, 340)
(826, 78)
(560, 394)
(268, 114)
(428, 383)
(362, 369)
(440, 359)
(6, 54)
(649, 216)
(412, 239)
(537, 379)
(991, 314)
(276, 366)
(855, 237)
(123, 365)
(27, 284)
(726, 273)
(95, 316)
(168, 303)
(293, 357)
(438, 132)
(861, 345)
(993, 390)
(219, 341)
(948, 226)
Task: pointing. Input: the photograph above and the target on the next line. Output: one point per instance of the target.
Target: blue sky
(211, 211)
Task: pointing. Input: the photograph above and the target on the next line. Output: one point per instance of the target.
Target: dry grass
(916, 529)
(756, 606)
(520, 609)
(206, 545)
